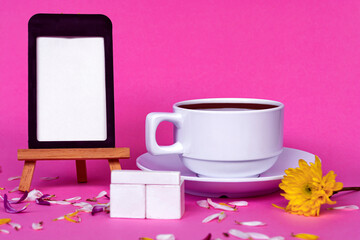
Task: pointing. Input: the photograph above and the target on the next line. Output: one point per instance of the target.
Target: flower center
(307, 189)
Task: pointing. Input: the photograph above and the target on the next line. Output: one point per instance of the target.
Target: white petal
(239, 203)
(1, 198)
(165, 237)
(85, 207)
(222, 216)
(219, 206)
(16, 226)
(37, 226)
(251, 223)
(4, 231)
(59, 218)
(34, 194)
(211, 217)
(101, 194)
(277, 238)
(203, 203)
(72, 199)
(60, 202)
(49, 178)
(81, 204)
(102, 204)
(15, 199)
(257, 235)
(14, 178)
(239, 234)
(348, 207)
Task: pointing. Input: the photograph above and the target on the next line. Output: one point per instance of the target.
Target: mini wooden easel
(30, 156)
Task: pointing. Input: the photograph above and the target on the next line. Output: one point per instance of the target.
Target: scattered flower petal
(203, 203)
(49, 178)
(348, 207)
(211, 217)
(74, 219)
(219, 206)
(14, 178)
(59, 218)
(251, 223)
(100, 195)
(60, 202)
(239, 234)
(305, 236)
(37, 226)
(85, 207)
(222, 216)
(16, 226)
(165, 237)
(19, 200)
(72, 199)
(14, 189)
(225, 204)
(4, 231)
(33, 195)
(99, 208)
(1, 188)
(239, 203)
(277, 238)
(9, 208)
(71, 217)
(256, 235)
(276, 206)
(41, 200)
(4, 221)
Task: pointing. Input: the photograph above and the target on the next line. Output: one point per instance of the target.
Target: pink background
(305, 54)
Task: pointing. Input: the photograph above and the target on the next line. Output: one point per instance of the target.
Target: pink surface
(305, 54)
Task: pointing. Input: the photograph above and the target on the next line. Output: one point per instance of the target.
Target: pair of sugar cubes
(140, 194)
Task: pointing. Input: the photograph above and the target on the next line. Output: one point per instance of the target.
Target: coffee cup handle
(152, 122)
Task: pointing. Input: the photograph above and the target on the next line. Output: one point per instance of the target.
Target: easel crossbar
(73, 153)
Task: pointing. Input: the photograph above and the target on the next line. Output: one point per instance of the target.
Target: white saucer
(265, 183)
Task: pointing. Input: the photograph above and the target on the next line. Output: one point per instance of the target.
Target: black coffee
(228, 106)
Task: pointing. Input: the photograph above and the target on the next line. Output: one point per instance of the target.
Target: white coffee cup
(222, 137)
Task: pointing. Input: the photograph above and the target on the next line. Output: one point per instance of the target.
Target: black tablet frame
(70, 25)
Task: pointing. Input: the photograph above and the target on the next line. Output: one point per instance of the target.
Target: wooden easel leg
(27, 175)
(114, 164)
(81, 171)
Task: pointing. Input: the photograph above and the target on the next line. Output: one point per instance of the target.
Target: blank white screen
(71, 97)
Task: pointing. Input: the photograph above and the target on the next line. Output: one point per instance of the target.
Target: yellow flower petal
(4, 221)
(274, 205)
(305, 236)
(68, 218)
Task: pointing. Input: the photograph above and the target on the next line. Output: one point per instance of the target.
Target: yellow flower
(307, 189)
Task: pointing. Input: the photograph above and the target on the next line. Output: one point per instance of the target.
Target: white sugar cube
(127, 200)
(142, 177)
(165, 201)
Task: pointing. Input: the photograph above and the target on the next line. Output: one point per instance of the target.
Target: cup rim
(278, 104)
